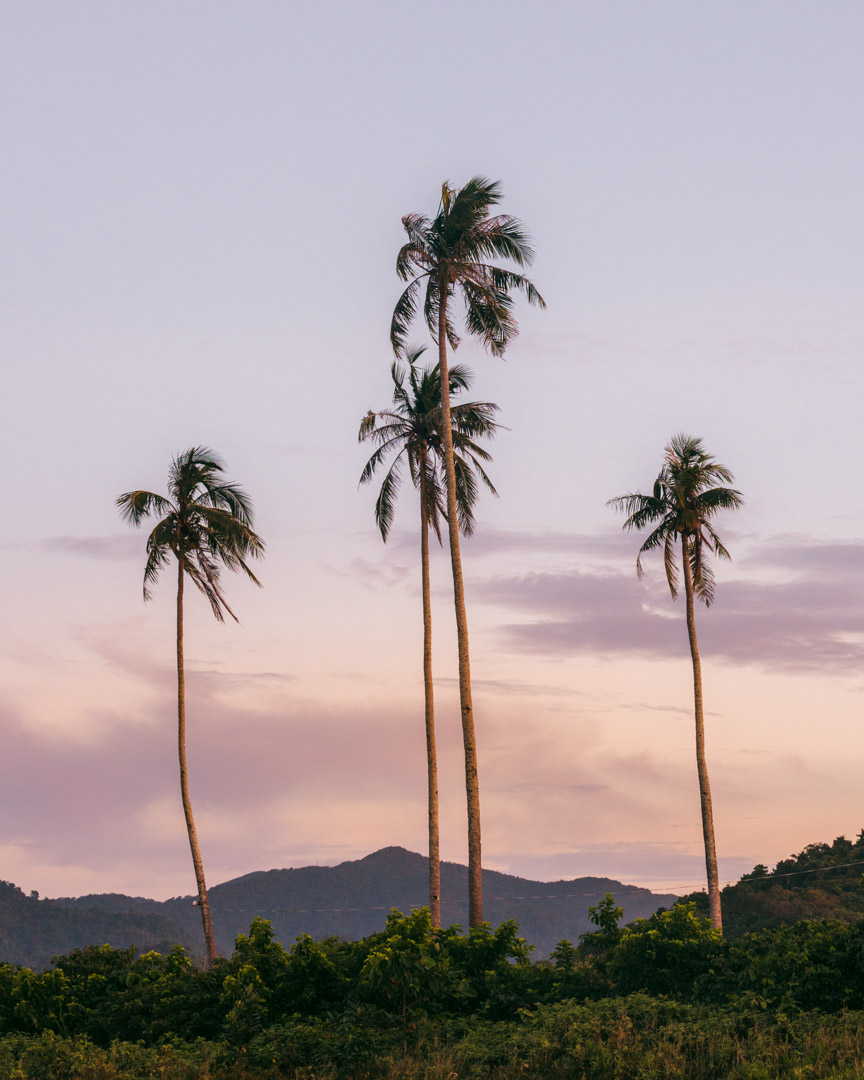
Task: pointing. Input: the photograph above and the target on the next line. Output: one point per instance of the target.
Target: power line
(772, 874)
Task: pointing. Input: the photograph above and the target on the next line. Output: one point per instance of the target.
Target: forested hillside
(34, 930)
(352, 900)
(823, 881)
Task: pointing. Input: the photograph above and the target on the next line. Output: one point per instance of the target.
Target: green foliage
(41, 1002)
(416, 1002)
(405, 971)
(32, 931)
(206, 523)
(811, 965)
(412, 431)
(799, 887)
(685, 497)
(666, 954)
(448, 254)
(312, 983)
(606, 915)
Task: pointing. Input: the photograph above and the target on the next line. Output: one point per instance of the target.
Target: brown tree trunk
(472, 786)
(431, 754)
(714, 908)
(203, 901)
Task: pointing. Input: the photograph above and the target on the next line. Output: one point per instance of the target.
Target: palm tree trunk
(472, 785)
(431, 754)
(203, 901)
(714, 908)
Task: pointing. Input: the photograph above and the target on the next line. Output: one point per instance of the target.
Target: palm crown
(411, 430)
(449, 251)
(685, 498)
(207, 524)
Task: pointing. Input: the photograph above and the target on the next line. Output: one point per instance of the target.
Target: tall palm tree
(410, 431)
(686, 496)
(444, 256)
(205, 523)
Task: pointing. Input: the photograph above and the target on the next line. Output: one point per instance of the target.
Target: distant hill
(799, 887)
(352, 900)
(34, 930)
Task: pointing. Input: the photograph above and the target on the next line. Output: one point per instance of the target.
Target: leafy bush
(670, 953)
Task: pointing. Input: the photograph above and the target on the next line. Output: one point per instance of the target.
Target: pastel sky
(201, 206)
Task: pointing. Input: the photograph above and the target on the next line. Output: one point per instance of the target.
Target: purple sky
(201, 209)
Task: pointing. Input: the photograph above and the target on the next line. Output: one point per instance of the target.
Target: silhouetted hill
(352, 900)
(799, 887)
(34, 930)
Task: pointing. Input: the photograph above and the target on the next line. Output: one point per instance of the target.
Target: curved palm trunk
(431, 754)
(714, 909)
(203, 901)
(472, 786)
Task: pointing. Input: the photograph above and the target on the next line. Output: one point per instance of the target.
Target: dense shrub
(665, 996)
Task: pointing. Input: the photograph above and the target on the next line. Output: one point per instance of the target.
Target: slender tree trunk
(701, 766)
(203, 901)
(472, 785)
(431, 754)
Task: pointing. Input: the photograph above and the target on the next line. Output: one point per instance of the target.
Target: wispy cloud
(512, 687)
(797, 606)
(374, 575)
(121, 547)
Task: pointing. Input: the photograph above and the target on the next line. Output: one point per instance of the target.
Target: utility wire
(772, 874)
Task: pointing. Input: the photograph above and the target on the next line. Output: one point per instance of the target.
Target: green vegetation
(798, 888)
(666, 996)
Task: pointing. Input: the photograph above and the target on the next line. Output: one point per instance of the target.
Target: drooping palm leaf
(685, 498)
(411, 430)
(206, 522)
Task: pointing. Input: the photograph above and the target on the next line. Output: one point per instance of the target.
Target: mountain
(352, 900)
(34, 930)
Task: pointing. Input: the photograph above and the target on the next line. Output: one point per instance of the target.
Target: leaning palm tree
(410, 431)
(686, 496)
(445, 255)
(205, 523)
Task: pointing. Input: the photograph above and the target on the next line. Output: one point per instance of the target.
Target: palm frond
(466, 494)
(135, 506)
(500, 237)
(715, 543)
(158, 553)
(403, 315)
(719, 498)
(450, 250)
(670, 563)
(204, 573)
(208, 525)
(489, 316)
(230, 497)
(385, 504)
(413, 434)
(686, 496)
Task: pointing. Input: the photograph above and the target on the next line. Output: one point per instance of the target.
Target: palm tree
(443, 256)
(411, 432)
(686, 496)
(206, 523)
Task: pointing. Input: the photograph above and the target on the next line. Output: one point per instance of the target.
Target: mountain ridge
(352, 899)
